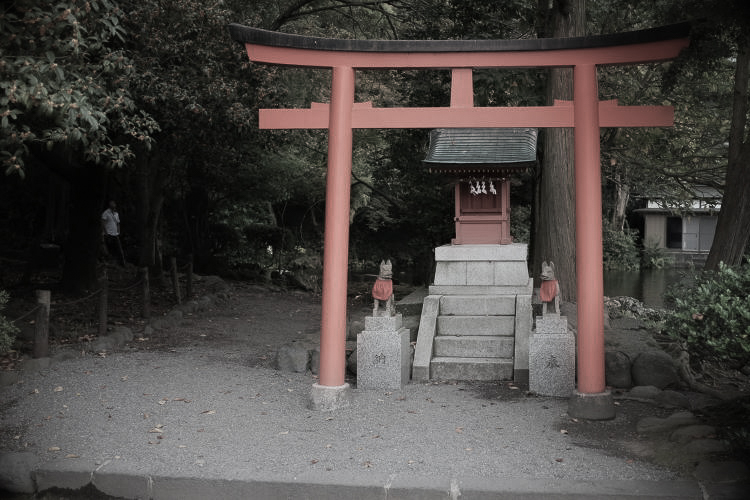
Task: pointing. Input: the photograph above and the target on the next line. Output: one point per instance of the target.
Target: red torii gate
(586, 114)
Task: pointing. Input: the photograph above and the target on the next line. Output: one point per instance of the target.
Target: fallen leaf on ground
(208, 412)
(563, 431)
(57, 389)
(72, 455)
(53, 448)
(283, 432)
(459, 429)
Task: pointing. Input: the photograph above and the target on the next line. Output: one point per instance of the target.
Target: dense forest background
(150, 103)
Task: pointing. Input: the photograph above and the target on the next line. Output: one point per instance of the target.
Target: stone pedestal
(383, 354)
(552, 357)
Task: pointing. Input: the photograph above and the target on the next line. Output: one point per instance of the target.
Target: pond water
(646, 285)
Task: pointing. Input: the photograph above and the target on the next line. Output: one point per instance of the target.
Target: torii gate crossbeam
(586, 114)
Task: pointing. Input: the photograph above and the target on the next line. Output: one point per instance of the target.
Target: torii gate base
(586, 114)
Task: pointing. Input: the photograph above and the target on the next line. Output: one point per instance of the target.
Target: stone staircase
(474, 338)
(476, 319)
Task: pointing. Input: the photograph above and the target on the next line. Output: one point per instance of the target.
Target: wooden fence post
(146, 307)
(41, 331)
(175, 281)
(103, 300)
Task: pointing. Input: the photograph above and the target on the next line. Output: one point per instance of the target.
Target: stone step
(443, 368)
(475, 325)
(472, 346)
(478, 305)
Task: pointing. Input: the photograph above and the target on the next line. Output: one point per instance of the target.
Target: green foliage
(520, 223)
(620, 248)
(711, 316)
(8, 331)
(654, 256)
(62, 81)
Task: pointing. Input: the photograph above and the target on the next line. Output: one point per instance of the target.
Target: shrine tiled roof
(486, 149)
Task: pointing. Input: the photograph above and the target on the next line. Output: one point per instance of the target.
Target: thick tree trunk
(555, 195)
(733, 226)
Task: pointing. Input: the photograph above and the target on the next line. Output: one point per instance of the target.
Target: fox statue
(382, 291)
(550, 289)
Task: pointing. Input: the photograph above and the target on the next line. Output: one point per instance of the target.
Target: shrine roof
(481, 149)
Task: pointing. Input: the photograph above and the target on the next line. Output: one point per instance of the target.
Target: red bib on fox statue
(383, 289)
(548, 290)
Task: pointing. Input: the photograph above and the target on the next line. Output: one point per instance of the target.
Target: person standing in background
(111, 232)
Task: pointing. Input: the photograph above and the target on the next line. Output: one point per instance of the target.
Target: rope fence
(43, 299)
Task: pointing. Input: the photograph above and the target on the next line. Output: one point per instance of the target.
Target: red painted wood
(559, 115)
(482, 219)
(462, 88)
(336, 236)
(589, 273)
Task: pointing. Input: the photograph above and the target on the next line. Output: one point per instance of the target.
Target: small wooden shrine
(482, 161)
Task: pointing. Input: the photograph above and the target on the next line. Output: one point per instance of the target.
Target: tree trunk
(555, 194)
(622, 196)
(150, 199)
(733, 225)
(84, 239)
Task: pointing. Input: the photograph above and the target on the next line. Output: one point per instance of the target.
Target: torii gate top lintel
(632, 47)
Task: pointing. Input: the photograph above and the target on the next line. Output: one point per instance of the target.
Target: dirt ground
(248, 323)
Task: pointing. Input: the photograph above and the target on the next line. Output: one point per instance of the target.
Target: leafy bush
(655, 257)
(711, 316)
(620, 248)
(7, 329)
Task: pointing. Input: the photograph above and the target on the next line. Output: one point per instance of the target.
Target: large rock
(654, 425)
(617, 369)
(293, 358)
(673, 398)
(654, 368)
(645, 392)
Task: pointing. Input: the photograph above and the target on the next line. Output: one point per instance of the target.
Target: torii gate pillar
(331, 389)
(586, 114)
(591, 400)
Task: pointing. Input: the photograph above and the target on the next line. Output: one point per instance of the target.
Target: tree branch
(372, 188)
